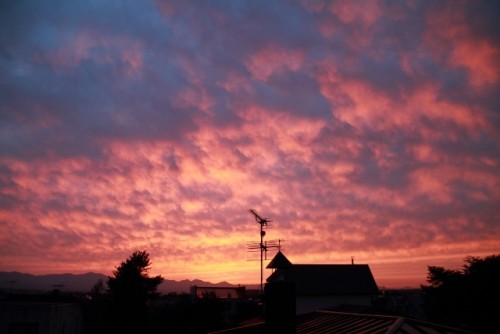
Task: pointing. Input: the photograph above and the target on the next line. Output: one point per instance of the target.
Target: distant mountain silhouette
(64, 282)
(84, 282)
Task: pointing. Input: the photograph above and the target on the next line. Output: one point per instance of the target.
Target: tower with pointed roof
(320, 286)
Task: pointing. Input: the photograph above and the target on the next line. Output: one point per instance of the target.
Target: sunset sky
(361, 128)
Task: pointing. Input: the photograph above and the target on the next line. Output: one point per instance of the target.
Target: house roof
(279, 261)
(338, 322)
(324, 279)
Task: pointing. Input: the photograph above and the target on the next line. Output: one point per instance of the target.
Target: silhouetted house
(236, 292)
(325, 286)
(297, 298)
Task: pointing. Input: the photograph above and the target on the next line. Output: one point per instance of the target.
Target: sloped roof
(324, 279)
(353, 323)
(336, 322)
(279, 261)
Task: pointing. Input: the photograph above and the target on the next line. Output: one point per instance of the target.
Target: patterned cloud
(365, 129)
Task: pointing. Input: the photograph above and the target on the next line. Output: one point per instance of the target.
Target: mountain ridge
(17, 281)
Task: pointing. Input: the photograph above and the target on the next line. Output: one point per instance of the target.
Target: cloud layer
(365, 129)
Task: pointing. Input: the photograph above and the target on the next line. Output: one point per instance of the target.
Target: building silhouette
(325, 286)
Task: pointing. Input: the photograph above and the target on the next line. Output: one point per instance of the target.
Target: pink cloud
(481, 60)
(272, 59)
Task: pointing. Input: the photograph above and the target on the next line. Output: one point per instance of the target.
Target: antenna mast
(262, 246)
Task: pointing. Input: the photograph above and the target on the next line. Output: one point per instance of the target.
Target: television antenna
(254, 247)
(262, 246)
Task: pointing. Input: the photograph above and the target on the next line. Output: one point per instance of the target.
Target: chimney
(352, 260)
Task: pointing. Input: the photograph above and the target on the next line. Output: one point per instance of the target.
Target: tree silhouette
(131, 289)
(464, 298)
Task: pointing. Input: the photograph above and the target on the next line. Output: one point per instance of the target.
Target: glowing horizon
(361, 129)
